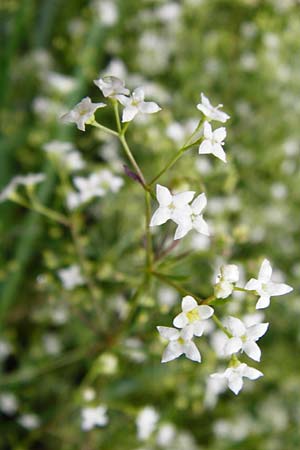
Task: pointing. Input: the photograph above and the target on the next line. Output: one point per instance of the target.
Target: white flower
(193, 314)
(244, 338)
(213, 141)
(171, 206)
(214, 387)
(212, 112)
(229, 274)
(192, 219)
(5, 349)
(20, 180)
(8, 403)
(95, 185)
(234, 376)
(146, 422)
(111, 86)
(58, 147)
(66, 153)
(71, 277)
(180, 342)
(264, 287)
(166, 435)
(82, 113)
(135, 104)
(29, 421)
(92, 417)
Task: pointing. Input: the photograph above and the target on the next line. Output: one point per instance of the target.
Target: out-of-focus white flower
(5, 349)
(93, 417)
(71, 277)
(82, 113)
(228, 276)
(211, 112)
(89, 394)
(8, 403)
(166, 435)
(253, 319)
(111, 86)
(171, 206)
(244, 338)
(180, 342)
(146, 422)
(29, 421)
(264, 287)
(59, 82)
(213, 142)
(169, 12)
(135, 104)
(95, 185)
(193, 219)
(20, 180)
(52, 344)
(214, 387)
(193, 314)
(234, 376)
(167, 297)
(65, 152)
(108, 12)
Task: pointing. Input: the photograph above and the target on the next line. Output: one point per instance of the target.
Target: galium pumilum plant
(185, 209)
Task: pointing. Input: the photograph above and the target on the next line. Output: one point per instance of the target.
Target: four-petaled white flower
(82, 113)
(135, 104)
(211, 112)
(193, 219)
(244, 338)
(193, 315)
(112, 86)
(71, 277)
(20, 180)
(264, 287)
(213, 141)
(172, 207)
(180, 342)
(229, 274)
(93, 417)
(234, 376)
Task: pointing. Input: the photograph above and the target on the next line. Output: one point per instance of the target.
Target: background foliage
(243, 53)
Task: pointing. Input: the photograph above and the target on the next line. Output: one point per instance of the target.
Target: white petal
(278, 289)
(205, 311)
(125, 101)
(252, 373)
(218, 151)
(168, 333)
(138, 94)
(235, 384)
(198, 328)
(191, 351)
(263, 302)
(172, 351)
(129, 113)
(252, 350)
(232, 346)
(199, 203)
(187, 333)
(219, 134)
(160, 216)
(188, 303)
(265, 271)
(205, 147)
(163, 195)
(253, 285)
(149, 107)
(182, 230)
(207, 130)
(180, 320)
(256, 331)
(236, 326)
(201, 226)
(182, 199)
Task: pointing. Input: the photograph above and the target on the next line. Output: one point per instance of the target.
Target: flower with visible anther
(212, 112)
(82, 113)
(235, 373)
(193, 315)
(180, 343)
(135, 104)
(228, 276)
(213, 142)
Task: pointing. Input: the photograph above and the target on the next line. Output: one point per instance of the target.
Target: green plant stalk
(149, 250)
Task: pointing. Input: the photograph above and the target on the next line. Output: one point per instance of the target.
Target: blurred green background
(242, 53)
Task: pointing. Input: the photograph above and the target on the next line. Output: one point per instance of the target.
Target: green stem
(105, 129)
(117, 116)
(176, 286)
(149, 251)
(220, 325)
(133, 161)
(244, 290)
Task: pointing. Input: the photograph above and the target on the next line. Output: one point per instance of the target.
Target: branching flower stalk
(186, 209)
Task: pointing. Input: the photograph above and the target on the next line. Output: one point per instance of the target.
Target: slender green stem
(117, 115)
(149, 251)
(103, 128)
(220, 325)
(244, 290)
(175, 285)
(132, 160)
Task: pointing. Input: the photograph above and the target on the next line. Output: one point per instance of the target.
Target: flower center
(181, 340)
(193, 315)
